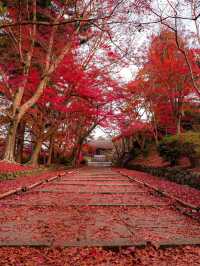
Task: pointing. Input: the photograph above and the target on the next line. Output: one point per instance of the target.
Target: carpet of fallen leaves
(187, 255)
(24, 256)
(21, 181)
(184, 192)
(155, 160)
(6, 167)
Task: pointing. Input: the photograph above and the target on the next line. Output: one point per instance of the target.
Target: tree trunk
(179, 125)
(77, 154)
(156, 138)
(10, 145)
(20, 142)
(50, 150)
(44, 159)
(35, 156)
(76, 157)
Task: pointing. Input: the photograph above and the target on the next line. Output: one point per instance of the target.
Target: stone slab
(88, 192)
(84, 205)
(92, 180)
(83, 243)
(179, 242)
(104, 244)
(98, 185)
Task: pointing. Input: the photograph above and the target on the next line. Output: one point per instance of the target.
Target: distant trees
(163, 87)
(133, 141)
(161, 94)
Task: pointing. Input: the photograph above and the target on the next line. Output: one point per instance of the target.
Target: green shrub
(175, 174)
(65, 160)
(135, 151)
(171, 148)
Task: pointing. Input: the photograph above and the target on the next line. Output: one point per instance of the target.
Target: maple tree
(156, 100)
(173, 17)
(163, 86)
(40, 37)
(132, 139)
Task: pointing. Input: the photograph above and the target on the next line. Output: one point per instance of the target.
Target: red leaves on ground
(186, 193)
(97, 256)
(23, 181)
(64, 223)
(10, 167)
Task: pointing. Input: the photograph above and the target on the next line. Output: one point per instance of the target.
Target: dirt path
(93, 207)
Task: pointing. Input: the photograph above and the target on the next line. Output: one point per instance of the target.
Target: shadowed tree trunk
(76, 153)
(178, 125)
(10, 146)
(20, 142)
(50, 150)
(35, 155)
(41, 138)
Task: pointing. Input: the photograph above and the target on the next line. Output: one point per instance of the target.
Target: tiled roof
(101, 144)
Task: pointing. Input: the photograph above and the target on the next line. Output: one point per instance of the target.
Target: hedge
(13, 175)
(187, 144)
(175, 174)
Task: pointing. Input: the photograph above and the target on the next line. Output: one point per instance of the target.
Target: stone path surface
(93, 207)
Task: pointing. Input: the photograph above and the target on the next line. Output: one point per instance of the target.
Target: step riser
(99, 164)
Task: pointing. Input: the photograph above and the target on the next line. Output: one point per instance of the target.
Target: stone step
(99, 158)
(99, 164)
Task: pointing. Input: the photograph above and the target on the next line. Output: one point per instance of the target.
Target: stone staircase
(99, 161)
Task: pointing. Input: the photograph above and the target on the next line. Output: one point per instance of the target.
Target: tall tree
(164, 82)
(39, 35)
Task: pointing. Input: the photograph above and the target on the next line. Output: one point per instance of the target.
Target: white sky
(98, 132)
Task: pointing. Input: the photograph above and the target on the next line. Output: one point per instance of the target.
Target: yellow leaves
(3, 9)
